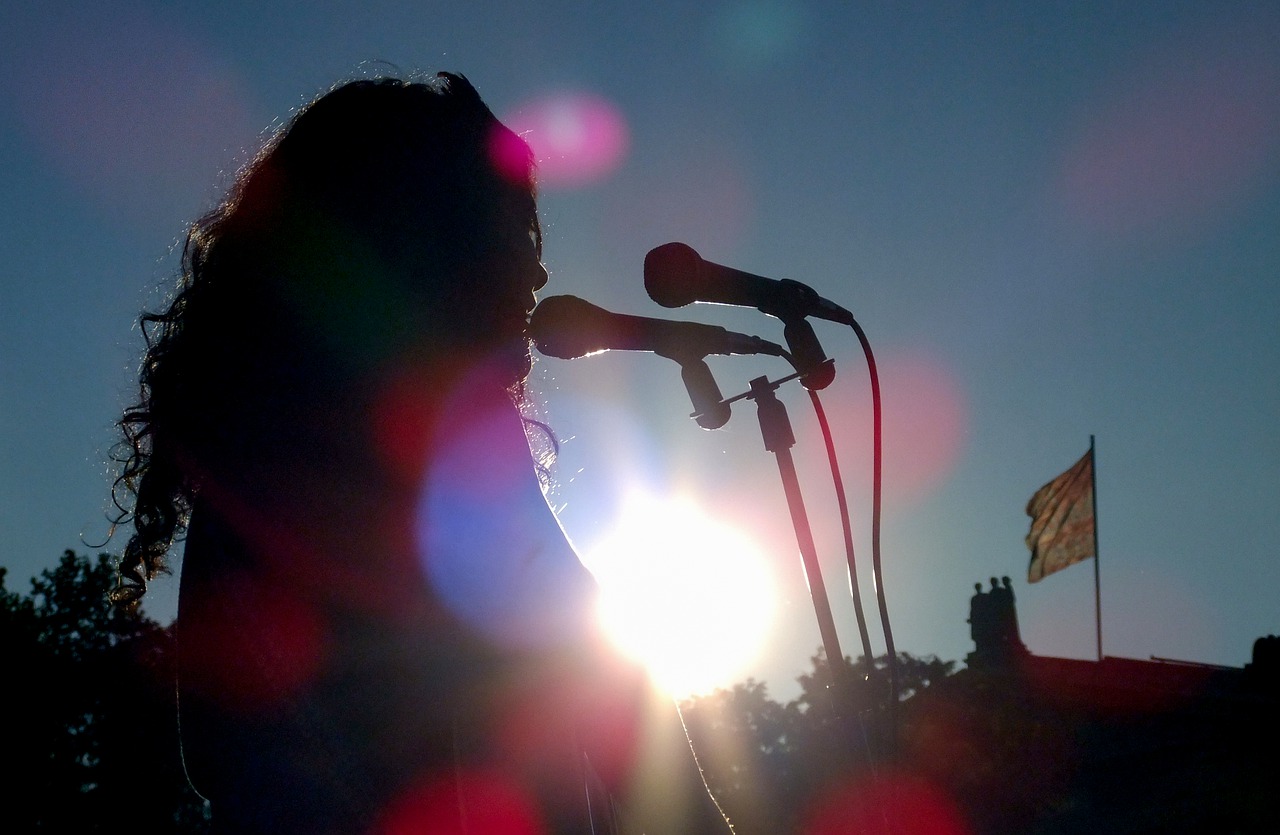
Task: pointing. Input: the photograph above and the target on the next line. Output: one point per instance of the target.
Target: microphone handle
(709, 409)
(807, 355)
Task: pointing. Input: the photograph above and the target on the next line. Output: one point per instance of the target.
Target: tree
(746, 746)
(94, 742)
(769, 763)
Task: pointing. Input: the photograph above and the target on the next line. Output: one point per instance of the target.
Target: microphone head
(673, 274)
(562, 327)
(568, 327)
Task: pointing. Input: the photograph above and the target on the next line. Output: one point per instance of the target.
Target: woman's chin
(514, 361)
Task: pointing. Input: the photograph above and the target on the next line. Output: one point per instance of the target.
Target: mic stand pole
(775, 427)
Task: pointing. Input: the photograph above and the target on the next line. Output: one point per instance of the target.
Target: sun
(688, 596)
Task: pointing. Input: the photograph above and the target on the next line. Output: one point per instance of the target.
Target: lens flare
(758, 35)
(258, 643)
(486, 540)
(462, 801)
(888, 802)
(688, 596)
(703, 191)
(577, 138)
(1187, 132)
(134, 111)
(926, 423)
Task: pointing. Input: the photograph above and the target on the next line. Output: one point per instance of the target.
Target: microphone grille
(672, 273)
(558, 326)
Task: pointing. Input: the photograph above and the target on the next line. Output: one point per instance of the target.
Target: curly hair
(365, 225)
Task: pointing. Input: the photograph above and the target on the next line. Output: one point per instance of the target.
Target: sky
(1052, 220)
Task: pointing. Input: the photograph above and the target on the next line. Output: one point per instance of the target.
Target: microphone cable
(877, 478)
(843, 505)
(877, 574)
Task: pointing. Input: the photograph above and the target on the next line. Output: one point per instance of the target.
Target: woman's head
(388, 218)
(384, 210)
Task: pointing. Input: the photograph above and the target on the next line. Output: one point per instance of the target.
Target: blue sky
(1052, 220)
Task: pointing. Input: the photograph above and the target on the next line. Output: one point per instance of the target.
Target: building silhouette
(1029, 744)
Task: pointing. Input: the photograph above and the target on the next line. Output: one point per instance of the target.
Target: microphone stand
(778, 437)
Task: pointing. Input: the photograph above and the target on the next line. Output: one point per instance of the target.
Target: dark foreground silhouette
(381, 625)
(1040, 745)
(88, 689)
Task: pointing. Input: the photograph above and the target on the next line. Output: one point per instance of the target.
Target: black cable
(843, 504)
(876, 506)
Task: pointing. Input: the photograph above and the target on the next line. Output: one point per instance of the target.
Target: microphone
(676, 275)
(568, 327)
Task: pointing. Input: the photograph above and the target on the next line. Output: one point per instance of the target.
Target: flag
(1062, 523)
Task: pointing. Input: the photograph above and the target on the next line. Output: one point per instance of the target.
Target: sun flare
(690, 597)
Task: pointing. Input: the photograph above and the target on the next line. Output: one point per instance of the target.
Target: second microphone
(568, 327)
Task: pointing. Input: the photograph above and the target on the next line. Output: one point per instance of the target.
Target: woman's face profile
(504, 296)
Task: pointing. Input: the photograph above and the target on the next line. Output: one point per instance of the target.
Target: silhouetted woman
(381, 626)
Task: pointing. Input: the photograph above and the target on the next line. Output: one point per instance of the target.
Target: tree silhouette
(746, 746)
(767, 762)
(93, 746)
(93, 740)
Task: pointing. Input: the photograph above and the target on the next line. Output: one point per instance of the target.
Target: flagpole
(1097, 582)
